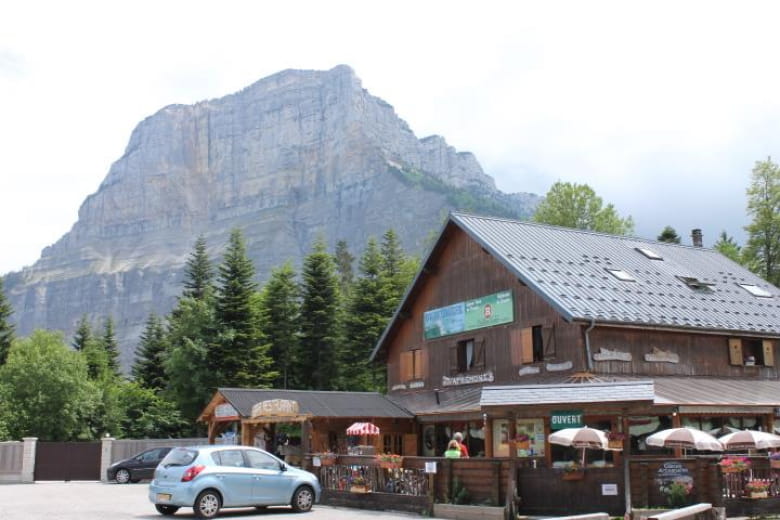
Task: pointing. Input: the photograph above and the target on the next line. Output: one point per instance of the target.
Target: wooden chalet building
(512, 330)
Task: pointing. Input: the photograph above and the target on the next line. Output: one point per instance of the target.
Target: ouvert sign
(565, 419)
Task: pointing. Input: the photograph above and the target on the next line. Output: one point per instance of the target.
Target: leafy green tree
(148, 415)
(48, 386)
(239, 356)
(198, 272)
(111, 346)
(83, 335)
(762, 250)
(364, 321)
(728, 247)
(317, 364)
(148, 370)
(344, 261)
(668, 234)
(577, 206)
(190, 382)
(6, 327)
(280, 310)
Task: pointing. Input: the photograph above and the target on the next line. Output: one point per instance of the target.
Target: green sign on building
(566, 419)
(493, 309)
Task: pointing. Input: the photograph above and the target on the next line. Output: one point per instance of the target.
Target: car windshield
(179, 457)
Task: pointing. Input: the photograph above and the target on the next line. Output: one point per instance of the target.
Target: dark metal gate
(67, 461)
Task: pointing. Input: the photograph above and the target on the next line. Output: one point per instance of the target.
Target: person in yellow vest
(453, 450)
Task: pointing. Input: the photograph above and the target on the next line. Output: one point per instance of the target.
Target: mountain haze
(294, 156)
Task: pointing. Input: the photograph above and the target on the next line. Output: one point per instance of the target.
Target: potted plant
(734, 464)
(573, 471)
(327, 458)
(522, 441)
(757, 488)
(774, 460)
(615, 440)
(389, 460)
(358, 484)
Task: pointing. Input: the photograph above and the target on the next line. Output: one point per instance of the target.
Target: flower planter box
(573, 475)
(386, 464)
(523, 445)
(615, 444)
(327, 461)
(774, 463)
(358, 489)
(759, 494)
(729, 469)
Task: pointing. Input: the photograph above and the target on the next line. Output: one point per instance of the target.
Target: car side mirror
(282, 467)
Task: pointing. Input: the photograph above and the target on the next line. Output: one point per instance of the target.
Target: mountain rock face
(295, 156)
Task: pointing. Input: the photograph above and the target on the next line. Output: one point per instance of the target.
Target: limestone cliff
(297, 155)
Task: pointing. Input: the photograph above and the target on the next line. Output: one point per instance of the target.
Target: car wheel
(122, 476)
(207, 504)
(303, 499)
(166, 510)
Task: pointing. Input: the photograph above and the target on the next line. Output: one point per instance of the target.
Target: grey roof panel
(567, 393)
(319, 403)
(568, 268)
(696, 391)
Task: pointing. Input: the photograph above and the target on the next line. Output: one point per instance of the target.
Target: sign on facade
(486, 311)
(275, 407)
(225, 412)
(566, 419)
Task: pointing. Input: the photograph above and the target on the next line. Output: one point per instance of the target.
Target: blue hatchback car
(208, 478)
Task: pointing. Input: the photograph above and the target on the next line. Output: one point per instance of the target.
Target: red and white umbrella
(685, 437)
(363, 428)
(750, 439)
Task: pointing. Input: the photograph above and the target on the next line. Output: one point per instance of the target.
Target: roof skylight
(649, 253)
(755, 290)
(621, 275)
(696, 284)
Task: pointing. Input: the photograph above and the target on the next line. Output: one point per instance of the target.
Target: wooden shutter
(735, 351)
(769, 353)
(420, 364)
(549, 342)
(527, 342)
(409, 445)
(406, 365)
(479, 354)
(453, 359)
(516, 347)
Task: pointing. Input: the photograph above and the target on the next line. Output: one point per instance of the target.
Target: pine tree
(198, 272)
(83, 334)
(111, 346)
(365, 319)
(728, 247)
(668, 234)
(148, 369)
(394, 271)
(6, 327)
(317, 364)
(239, 356)
(762, 251)
(344, 261)
(280, 312)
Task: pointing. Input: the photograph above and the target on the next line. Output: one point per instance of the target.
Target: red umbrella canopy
(750, 439)
(363, 428)
(685, 437)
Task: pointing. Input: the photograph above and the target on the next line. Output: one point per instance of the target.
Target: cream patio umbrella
(750, 439)
(583, 437)
(685, 437)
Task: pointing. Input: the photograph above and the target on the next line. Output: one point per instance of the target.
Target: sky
(663, 108)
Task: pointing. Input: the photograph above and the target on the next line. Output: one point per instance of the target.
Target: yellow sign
(276, 408)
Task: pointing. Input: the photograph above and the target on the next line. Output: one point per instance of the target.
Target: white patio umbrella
(580, 438)
(685, 437)
(750, 439)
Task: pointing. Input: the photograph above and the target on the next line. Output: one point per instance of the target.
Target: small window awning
(363, 428)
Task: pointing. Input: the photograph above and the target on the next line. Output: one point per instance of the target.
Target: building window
(751, 352)
(466, 356)
(532, 344)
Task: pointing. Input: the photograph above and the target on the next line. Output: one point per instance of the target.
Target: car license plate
(164, 496)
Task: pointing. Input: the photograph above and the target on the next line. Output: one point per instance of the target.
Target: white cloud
(662, 108)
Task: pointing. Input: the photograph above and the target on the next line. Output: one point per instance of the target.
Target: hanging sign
(566, 419)
(225, 412)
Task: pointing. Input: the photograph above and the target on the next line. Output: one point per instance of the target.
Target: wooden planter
(327, 461)
(387, 464)
(774, 463)
(730, 469)
(573, 475)
(615, 444)
(523, 445)
(358, 489)
(759, 494)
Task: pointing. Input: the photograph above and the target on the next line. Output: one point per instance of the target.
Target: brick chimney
(697, 238)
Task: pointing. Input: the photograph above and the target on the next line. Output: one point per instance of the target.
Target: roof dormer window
(649, 253)
(755, 290)
(621, 275)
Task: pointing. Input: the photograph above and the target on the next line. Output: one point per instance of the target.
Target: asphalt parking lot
(98, 501)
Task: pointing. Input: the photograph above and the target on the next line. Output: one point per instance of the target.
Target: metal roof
(698, 391)
(452, 400)
(319, 403)
(573, 393)
(568, 268)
